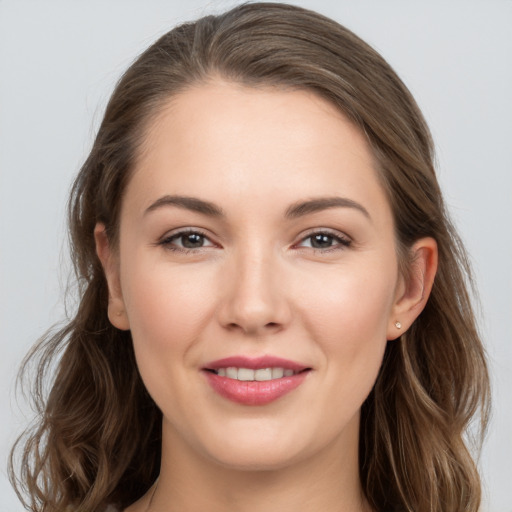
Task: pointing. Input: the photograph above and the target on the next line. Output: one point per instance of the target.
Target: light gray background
(60, 59)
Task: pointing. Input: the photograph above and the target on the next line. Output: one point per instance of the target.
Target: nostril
(254, 328)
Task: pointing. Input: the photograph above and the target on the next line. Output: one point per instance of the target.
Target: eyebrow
(302, 208)
(188, 203)
(294, 211)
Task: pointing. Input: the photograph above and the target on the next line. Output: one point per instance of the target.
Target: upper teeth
(248, 374)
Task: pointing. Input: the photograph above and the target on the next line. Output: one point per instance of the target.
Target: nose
(254, 297)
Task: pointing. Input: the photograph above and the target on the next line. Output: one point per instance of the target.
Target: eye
(324, 240)
(185, 241)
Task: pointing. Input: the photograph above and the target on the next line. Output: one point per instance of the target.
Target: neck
(188, 482)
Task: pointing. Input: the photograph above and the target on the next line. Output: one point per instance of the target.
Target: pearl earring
(398, 325)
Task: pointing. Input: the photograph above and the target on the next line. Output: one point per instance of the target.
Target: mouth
(257, 381)
(259, 375)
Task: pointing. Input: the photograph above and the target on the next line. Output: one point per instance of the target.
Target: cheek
(350, 304)
(167, 307)
(348, 318)
(168, 310)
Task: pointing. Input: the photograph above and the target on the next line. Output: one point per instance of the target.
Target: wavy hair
(97, 438)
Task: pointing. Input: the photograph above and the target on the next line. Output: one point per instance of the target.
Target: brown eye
(325, 240)
(192, 240)
(186, 240)
(322, 241)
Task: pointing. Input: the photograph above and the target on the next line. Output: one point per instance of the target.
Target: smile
(248, 374)
(254, 381)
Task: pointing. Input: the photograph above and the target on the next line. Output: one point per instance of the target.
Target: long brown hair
(96, 440)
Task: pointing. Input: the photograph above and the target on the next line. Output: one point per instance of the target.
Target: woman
(273, 305)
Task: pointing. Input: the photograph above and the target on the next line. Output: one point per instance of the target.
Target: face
(256, 243)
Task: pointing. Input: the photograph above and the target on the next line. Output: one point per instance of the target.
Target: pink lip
(254, 392)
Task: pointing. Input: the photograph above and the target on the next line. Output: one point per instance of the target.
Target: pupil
(192, 240)
(321, 241)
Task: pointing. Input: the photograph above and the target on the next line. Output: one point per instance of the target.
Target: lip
(256, 363)
(254, 392)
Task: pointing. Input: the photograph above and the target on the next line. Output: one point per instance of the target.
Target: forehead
(224, 140)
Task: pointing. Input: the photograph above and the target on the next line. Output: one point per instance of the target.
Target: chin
(260, 450)
(254, 460)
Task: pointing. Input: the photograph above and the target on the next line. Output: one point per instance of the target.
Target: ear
(110, 263)
(414, 289)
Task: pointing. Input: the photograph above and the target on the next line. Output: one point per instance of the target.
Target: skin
(257, 286)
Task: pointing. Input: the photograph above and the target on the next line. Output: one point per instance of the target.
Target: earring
(398, 325)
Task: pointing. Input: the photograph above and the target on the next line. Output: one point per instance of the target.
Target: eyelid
(167, 239)
(344, 240)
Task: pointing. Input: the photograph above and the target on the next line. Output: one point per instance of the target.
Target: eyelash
(342, 241)
(167, 241)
